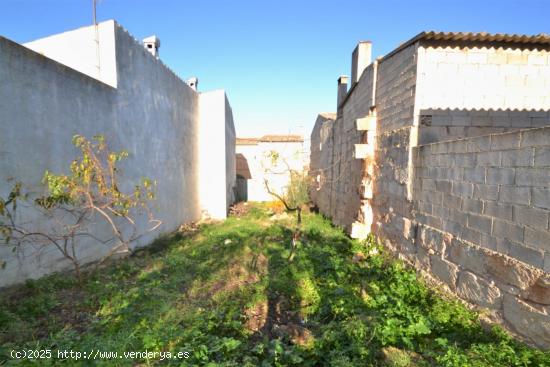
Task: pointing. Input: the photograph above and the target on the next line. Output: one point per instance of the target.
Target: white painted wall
(217, 154)
(483, 78)
(278, 177)
(84, 50)
(151, 113)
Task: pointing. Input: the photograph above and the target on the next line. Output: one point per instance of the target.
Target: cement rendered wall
(151, 113)
(488, 239)
(217, 154)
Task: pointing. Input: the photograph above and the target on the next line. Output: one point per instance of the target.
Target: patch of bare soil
(275, 319)
(256, 316)
(239, 209)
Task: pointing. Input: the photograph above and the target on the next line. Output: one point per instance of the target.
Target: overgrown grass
(228, 295)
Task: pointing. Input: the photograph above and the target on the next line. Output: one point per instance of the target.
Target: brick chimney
(360, 59)
(342, 91)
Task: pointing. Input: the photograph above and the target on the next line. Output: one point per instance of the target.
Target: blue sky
(277, 60)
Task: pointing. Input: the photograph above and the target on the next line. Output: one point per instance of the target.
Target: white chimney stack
(152, 44)
(360, 59)
(193, 83)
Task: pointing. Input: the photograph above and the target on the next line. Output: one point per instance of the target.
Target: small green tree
(72, 203)
(295, 196)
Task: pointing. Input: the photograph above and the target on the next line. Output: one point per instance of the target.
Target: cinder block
(443, 186)
(465, 160)
(535, 137)
(505, 141)
(472, 206)
(440, 211)
(540, 121)
(519, 158)
(514, 195)
(498, 210)
(445, 160)
(476, 175)
(441, 120)
(539, 239)
(500, 176)
(481, 121)
(452, 201)
(428, 184)
(458, 146)
(533, 176)
(480, 223)
(479, 144)
(458, 216)
(466, 256)
(532, 217)
(463, 189)
(491, 159)
(541, 198)
(542, 156)
(461, 121)
(486, 192)
(527, 255)
(507, 230)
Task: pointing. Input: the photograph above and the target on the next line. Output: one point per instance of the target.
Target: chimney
(152, 44)
(193, 82)
(342, 91)
(360, 59)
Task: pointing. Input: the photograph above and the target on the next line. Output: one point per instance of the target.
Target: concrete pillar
(360, 59)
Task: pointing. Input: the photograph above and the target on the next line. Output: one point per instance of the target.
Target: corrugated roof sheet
(542, 39)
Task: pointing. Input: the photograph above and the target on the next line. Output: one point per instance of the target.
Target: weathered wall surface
(473, 212)
(152, 114)
(320, 166)
(482, 209)
(395, 101)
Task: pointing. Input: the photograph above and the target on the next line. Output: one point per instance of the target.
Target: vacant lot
(226, 294)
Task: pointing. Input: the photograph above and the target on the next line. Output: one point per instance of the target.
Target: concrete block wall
(483, 77)
(395, 101)
(449, 124)
(481, 214)
(470, 212)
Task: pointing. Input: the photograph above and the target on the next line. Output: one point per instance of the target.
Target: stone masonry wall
(320, 161)
(395, 96)
(481, 223)
(473, 213)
